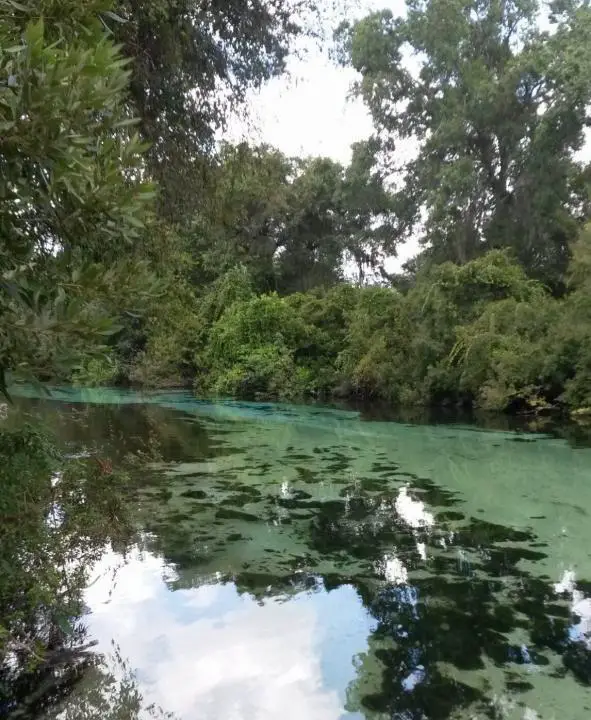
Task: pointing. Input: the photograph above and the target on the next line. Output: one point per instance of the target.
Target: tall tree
(496, 107)
(312, 245)
(242, 216)
(292, 222)
(337, 215)
(193, 61)
(368, 208)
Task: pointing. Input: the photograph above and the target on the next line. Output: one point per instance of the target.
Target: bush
(95, 371)
(326, 315)
(372, 359)
(480, 334)
(267, 371)
(504, 357)
(167, 357)
(252, 348)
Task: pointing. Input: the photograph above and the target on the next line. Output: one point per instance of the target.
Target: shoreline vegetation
(516, 348)
(478, 336)
(138, 251)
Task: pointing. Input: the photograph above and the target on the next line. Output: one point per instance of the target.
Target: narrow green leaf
(113, 16)
(127, 122)
(113, 330)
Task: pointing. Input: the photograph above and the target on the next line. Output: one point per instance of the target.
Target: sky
(310, 111)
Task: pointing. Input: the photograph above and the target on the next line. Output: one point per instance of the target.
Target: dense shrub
(326, 315)
(251, 350)
(503, 355)
(481, 334)
(375, 344)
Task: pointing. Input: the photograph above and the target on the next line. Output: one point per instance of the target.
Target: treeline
(480, 334)
(136, 250)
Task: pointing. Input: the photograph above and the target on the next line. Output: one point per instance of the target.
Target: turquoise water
(301, 562)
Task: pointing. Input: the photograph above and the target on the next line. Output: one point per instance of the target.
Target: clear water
(302, 563)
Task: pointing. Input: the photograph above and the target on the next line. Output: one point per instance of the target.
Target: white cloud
(308, 110)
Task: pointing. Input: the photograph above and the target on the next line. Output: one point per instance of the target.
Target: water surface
(300, 562)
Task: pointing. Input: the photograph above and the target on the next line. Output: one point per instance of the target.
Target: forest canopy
(136, 249)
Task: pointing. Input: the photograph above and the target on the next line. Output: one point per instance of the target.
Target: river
(305, 563)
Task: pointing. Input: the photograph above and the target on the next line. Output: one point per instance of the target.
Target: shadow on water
(462, 611)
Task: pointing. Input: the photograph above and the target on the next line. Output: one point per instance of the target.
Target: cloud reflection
(211, 653)
(413, 511)
(416, 516)
(580, 607)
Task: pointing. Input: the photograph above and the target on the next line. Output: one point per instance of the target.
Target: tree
(336, 214)
(291, 222)
(192, 62)
(312, 244)
(242, 218)
(51, 534)
(369, 221)
(496, 107)
(73, 203)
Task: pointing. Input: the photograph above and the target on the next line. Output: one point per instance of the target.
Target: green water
(303, 563)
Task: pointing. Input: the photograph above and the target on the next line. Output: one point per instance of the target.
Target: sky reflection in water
(300, 563)
(210, 652)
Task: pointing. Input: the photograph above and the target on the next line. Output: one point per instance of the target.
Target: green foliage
(504, 354)
(169, 337)
(471, 286)
(66, 167)
(251, 350)
(481, 334)
(96, 371)
(231, 287)
(192, 63)
(276, 347)
(397, 345)
(325, 313)
(292, 223)
(497, 108)
(571, 346)
(72, 203)
(372, 359)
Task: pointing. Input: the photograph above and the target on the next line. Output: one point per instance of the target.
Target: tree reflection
(462, 610)
(57, 515)
(474, 609)
(135, 432)
(108, 690)
(450, 593)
